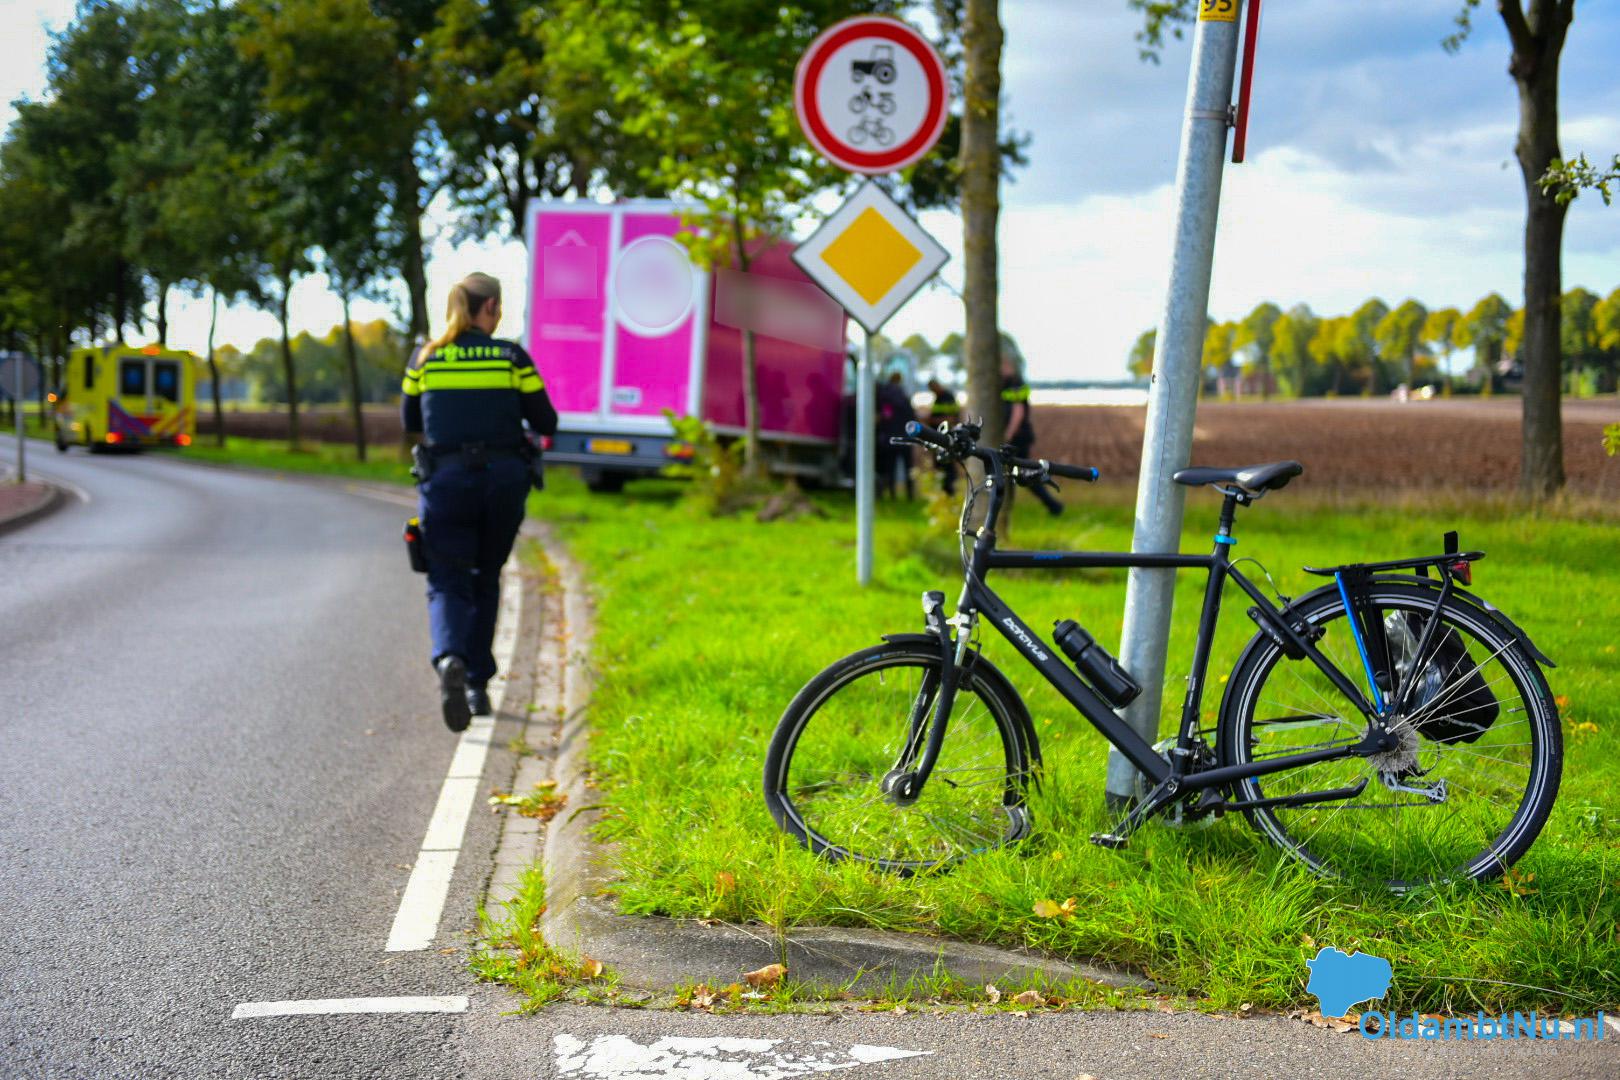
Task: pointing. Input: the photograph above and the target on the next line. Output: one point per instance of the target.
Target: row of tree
(256, 376)
(228, 149)
(1376, 348)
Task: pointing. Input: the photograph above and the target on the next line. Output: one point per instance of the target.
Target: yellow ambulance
(127, 396)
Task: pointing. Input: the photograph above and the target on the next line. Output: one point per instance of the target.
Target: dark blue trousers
(470, 518)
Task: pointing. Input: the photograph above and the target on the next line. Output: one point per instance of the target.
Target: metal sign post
(1173, 395)
(19, 378)
(865, 458)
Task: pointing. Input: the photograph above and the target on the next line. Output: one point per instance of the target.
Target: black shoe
(478, 701)
(453, 692)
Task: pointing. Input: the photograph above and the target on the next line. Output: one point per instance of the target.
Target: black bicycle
(1438, 759)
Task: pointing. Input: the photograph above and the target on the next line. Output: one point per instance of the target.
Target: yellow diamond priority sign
(870, 256)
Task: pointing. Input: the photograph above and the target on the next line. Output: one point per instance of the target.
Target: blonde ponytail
(467, 297)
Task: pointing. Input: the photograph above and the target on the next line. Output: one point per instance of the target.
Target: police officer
(469, 395)
(945, 409)
(1020, 428)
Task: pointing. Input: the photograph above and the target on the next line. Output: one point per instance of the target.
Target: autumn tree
(1399, 336)
(1256, 335)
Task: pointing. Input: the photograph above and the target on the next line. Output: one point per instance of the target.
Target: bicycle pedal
(1112, 841)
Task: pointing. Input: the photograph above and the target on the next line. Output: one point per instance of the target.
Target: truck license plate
(610, 446)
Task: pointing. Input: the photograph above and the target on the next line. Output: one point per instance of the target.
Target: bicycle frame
(978, 599)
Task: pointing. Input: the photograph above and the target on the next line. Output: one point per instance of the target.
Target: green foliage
(1611, 439)
(1399, 338)
(1566, 179)
(715, 467)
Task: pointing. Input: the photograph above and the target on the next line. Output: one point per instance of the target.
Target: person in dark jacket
(469, 397)
(945, 410)
(894, 412)
(1020, 426)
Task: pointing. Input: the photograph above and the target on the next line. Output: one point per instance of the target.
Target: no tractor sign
(871, 94)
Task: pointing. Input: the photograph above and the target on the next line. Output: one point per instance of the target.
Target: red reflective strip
(1251, 40)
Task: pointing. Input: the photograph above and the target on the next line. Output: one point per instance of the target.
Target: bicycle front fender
(977, 664)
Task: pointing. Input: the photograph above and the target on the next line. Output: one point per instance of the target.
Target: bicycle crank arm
(1302, 799)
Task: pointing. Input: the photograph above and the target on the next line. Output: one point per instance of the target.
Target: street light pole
(1173, 395)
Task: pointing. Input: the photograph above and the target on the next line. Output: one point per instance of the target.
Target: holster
(421, 463)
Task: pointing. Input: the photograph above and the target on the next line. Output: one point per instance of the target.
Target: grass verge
(707, 627)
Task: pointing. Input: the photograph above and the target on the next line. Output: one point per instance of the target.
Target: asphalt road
(219, 750)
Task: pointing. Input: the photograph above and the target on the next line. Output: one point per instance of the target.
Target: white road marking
(619, 1057)
(329, 1006)
(416, 924)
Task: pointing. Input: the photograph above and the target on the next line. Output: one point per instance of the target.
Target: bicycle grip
(923, 433)
(1073, 472)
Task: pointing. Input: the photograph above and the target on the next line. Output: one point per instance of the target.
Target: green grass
(707, 627)
(385, 463)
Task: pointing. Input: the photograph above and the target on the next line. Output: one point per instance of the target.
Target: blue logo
(1340, 980)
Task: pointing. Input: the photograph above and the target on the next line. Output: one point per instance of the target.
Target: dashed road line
(331, 1006)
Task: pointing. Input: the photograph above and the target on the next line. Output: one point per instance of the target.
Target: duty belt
(473, 455)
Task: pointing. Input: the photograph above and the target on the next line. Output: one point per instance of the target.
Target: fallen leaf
(590, 968)
(702, 998)
(1048, 909)
(1157, 1035)
(1029, 997)
(725, 882)
(769, 975)
(899, 1010)
(1246, 1006)
(992, 993)
(1562, 701)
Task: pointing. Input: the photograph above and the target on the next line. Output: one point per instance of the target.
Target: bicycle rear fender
(992, 675)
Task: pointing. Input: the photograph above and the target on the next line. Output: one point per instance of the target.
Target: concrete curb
(658, 953)
(50, 499)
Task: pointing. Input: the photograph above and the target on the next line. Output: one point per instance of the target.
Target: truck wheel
(603, 481)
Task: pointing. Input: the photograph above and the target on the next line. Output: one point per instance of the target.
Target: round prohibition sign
(871, 94)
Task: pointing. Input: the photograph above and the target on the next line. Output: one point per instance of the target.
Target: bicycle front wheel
(848, 728)
(1469, 786)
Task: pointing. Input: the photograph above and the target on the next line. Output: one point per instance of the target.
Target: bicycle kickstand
(1150, 804)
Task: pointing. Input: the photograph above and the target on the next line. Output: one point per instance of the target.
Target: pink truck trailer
(622, 326)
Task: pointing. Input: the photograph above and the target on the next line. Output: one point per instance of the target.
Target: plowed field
(1347, 445)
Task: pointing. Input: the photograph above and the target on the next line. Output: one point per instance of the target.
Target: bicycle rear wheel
(847, 728)
(1475, 775)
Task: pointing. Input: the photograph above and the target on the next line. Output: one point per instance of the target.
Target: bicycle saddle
(1248, 477)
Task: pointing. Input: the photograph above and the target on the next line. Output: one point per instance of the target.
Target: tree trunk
(354, 381)
(163, 314)
(753, 458)
(981, 206)
(213, 371)
(1538, 39)
(287, 368)
(415, 269)
(120, 299)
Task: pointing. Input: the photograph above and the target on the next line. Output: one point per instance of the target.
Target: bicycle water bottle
(1106, 675)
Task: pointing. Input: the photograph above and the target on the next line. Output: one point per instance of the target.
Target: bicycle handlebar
(962, 447)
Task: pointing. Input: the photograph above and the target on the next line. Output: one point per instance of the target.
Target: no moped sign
(871, 94)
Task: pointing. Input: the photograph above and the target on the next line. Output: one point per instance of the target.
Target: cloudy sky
(1378, 165)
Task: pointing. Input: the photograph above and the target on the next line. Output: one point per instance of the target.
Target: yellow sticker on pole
(1217, 10)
